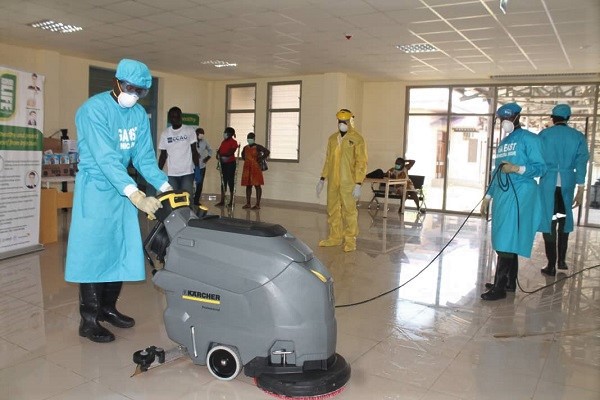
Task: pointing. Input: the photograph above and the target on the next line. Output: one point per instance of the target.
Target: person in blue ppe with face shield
(345, 169)
(105, 244)
(515, 199)
(566, 155)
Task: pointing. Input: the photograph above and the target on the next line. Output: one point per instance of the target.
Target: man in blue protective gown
(566, 155)
(516, 204)
(105, 244)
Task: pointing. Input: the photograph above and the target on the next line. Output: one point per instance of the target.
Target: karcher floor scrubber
(247, 295)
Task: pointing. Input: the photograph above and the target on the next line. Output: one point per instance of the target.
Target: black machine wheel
(223, 362)
(308, 383)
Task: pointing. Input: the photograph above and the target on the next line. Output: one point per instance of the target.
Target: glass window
(452, 135)
(283, 123)
(241, 97)
(467, 161)
(472, 100)
(241, 108)
(428, 100)
(426, 145)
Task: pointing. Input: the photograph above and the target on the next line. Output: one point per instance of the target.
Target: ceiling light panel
(416, 48)
(53, 26)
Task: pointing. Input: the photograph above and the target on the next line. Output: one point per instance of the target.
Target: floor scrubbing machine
(247, 295)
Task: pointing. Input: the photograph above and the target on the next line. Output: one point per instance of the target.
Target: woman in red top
(253, 154)
(227, 161)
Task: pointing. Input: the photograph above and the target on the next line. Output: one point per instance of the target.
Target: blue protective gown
(515, 220)
(565, 151)
(105, 243)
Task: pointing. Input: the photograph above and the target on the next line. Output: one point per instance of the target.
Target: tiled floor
(432, 339)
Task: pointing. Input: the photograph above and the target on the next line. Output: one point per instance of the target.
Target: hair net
(562, 110)
(400, 161)
(134, 72)
(508, 110)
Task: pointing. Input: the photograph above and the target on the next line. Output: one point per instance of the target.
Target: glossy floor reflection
(431, 339)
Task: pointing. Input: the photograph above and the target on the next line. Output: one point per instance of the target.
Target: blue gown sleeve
(581, 160)
(143, 156)
(535, 166)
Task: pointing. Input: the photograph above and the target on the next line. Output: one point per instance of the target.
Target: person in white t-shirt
(178, 146)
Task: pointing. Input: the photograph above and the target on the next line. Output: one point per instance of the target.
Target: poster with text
(21, 138)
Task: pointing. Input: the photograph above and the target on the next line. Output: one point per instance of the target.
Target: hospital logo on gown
(507, 149)
(127, 138)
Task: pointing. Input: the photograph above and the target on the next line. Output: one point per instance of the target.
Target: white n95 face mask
(127, 100)
(343, 127)
(507, 126)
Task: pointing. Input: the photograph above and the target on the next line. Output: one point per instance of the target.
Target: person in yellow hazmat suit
(345, 169)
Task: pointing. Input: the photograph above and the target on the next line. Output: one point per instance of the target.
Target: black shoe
(90, 296)
(498, 291)
(509, 287)
(494, 294)
(108, 311)
(549, 270)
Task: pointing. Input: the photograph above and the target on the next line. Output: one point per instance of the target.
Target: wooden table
(53, 200)
(391, 182)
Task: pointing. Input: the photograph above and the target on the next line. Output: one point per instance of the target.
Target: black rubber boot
(109, 312)
(550, 269)
(563, 242)
(513, 272)
(490, 285)
(498, 291)
(90, 297)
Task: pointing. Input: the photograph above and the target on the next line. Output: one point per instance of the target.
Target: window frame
(271, 110)
(229, 111)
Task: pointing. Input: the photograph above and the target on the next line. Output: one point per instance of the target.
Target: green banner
(8, 95)
(190, 119)
(20, 138)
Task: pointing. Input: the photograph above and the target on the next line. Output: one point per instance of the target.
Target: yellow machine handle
(176, 200)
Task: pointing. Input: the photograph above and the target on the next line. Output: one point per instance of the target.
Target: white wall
(379, 108)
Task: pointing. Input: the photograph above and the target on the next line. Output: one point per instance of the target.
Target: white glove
(578, 199)
(320, 185)
(149, 205)
(484, 207)
(356, 192)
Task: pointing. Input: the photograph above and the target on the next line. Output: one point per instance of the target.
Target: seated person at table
(400, 171)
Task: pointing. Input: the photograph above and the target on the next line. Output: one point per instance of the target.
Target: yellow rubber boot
(349, 244)
(330, 242)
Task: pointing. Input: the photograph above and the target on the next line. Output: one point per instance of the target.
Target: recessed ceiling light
(219, 63)
(53, 26)
(416, 48)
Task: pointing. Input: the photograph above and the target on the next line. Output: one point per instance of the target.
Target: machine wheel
(223, 362)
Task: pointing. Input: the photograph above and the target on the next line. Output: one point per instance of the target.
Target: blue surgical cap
(134, 72)
(508, 110)
(562, 110)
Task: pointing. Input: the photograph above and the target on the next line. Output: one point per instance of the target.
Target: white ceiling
(269, 38)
